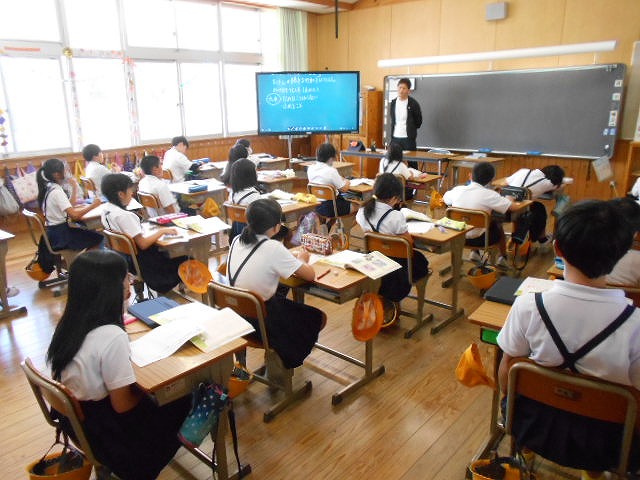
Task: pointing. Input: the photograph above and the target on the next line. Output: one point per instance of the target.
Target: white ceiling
(313, 6)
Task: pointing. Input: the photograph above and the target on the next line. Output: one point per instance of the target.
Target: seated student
(246, 144)
(478, 196)
(627, 270)
(392, 163)
(236, 152)
(175, 159)
(244, 181)
(379, 215)
(153, 183)
(159, 271)
(539, 182)
(95, 168)
(635, 190)
(257, 262)
(324, 173)
(590, 237)
(89, 354)
(57, 207)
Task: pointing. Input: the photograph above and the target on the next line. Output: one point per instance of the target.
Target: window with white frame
(200, 84)
(93, 24)
(30, 20)
(240, 93)
(158, 99)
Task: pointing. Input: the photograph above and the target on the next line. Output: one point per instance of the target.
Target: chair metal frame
(329, 192)
(575, 393)
(123, 243)
(52, 394)
(273, 373)
(400, 247)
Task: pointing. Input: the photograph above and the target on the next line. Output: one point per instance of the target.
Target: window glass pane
(197, 25)
(150, 23)
(93, 24)
(157, 95)
(240, 29)
(5, 126)
(102, 102)
(201, 98)
(29, 20)
(35, 96)
(240, 81)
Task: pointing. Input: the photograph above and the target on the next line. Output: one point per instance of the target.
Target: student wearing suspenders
(379, 215)
(256, 262)
(244, 183)
(581, 325)
(236, 152)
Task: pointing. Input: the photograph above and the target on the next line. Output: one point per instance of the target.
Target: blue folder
(143, 310)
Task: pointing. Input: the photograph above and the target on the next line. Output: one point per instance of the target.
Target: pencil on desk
(323, 274)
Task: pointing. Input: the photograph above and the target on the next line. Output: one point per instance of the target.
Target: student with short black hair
(153, 183)
(95, 168)
(591, 237)
(159, 271)
(323, 172)
(244, 188)
(89, 354)
(175, 159)
(236, 152)
(627, 271)
(256, 262)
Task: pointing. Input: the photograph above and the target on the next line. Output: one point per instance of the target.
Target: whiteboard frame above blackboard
(569, 112)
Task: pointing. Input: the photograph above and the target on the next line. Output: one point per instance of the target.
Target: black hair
(405, 81)
(394, 153)
(593, 235)
(178, 140)
(148, 163)
(243, 175)
(236, 152)
(244, 142)
(554, 173)
(44, 176)
(325, 152)
(95, 297)
(386, 186)
(630, 210)
(262, 214)
(90, 151)
(483, 173)
(113, 183)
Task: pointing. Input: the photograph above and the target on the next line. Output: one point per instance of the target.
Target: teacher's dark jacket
(414, 117)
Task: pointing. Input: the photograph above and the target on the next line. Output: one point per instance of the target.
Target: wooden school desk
(215, 190)
(364, 192)
(268, 163)
(212, 170)
(345, 169)
(271, 181)
(93, 219)
(490, 317)
(176, 376)
(7, 310)
(340, 285)
(425, 157)
(291, 211)
(463, 161)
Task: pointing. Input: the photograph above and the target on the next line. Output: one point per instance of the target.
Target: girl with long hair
(244, 188)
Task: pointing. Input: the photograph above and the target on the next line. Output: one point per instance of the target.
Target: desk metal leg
(457, 245)
(369, 372)
(6, 308)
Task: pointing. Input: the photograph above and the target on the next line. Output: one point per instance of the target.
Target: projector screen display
(293, 103)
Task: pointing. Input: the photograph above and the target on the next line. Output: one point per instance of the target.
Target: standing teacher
(406, 118)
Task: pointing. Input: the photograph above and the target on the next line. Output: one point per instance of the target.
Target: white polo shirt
(102, 364)
(393, 224)
(262, 273)
(177, 162)
(542, 186)
(578, 313)
(160, 188)
(325, 174)
(120, 220)
(96, 171)
(395, 167)
(476, 197)
(400, 128)
(56, 204)
(245, 196)
(627, 270)
(635, 190)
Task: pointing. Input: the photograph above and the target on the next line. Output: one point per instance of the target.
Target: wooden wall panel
(369, 40)
(333, 53)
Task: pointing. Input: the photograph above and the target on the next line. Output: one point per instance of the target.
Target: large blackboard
(570, 112)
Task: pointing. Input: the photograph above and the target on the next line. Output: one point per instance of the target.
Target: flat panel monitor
(296, 103)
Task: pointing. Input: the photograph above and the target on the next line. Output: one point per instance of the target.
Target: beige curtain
(293, 40)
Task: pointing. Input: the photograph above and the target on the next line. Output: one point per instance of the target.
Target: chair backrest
(236, 213)
(149, 200)
(574, 393)
(37, 229)
(477, 218)
(123, 243)
(50, 393)
(391, 246)
(244, 302)
(87, 186)
(167, 174)
(324, 192)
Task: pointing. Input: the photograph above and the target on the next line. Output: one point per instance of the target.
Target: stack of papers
(354, 182)
(280, 194)
(534, 285)
(202, 225)
(414, 215)
(416, 227)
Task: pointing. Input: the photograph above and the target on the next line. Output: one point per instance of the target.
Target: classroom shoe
(475, 256)
(502, 263)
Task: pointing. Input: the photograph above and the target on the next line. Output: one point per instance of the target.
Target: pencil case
(317, 243)
(452, 224)
(197, 188)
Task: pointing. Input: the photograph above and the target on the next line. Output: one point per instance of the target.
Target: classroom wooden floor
(414, 422)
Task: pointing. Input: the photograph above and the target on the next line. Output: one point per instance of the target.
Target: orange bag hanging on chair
(470, 370)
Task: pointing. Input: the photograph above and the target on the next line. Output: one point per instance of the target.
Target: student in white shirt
(236, 152)
(539, 182)
(89, 354)
(159, 271)
(379, 215)
(627, 270)
(176, 160)
(153, 183)
(95, 168)
(244, 188)
(323, 172)
(635, 190)
(478, 196)
(57, 208)
(392, 163)
(292, 327)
